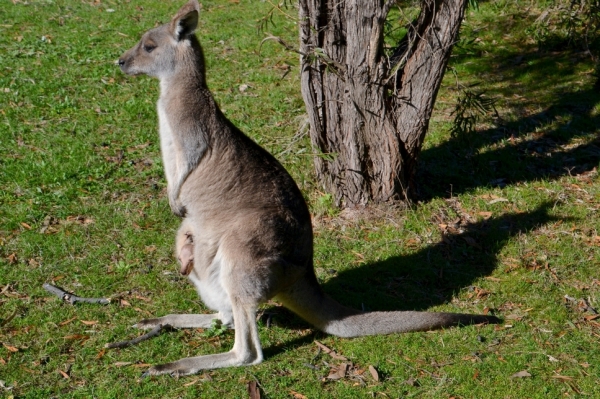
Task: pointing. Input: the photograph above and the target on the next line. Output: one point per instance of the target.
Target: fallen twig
(72, 298)
(582, 304)
(330, 352)
(589, 307)
(124, 344)
(9, 318)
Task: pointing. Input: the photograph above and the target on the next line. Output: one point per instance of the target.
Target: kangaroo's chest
(168, 145)
(164, 127)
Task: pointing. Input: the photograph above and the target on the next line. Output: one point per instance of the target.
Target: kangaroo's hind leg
(246, 349)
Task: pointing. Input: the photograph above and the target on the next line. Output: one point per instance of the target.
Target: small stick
(124, 344)
(71, 298)
(589, 307)
(9, 318)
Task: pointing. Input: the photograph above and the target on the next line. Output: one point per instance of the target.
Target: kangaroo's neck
(189, 76)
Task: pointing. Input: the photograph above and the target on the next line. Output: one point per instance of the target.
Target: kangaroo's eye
(148, 48)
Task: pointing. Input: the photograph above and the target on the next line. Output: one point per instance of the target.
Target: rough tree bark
(368, 112)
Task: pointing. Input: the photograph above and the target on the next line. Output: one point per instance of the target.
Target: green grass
(508, 217)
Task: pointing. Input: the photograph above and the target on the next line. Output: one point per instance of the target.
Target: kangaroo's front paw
(177, 208)
(180, 211)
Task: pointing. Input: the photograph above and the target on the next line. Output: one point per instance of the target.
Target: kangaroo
(246, 236)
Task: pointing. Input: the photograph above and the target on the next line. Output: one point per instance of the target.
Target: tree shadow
(540, 146)
(531, 144)
(426, 278)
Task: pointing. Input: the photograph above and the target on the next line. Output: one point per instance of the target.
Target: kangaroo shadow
(429, 277)
(434, 274)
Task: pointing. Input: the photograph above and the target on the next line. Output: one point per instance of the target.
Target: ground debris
(71, 298)
(521, 374)
(330, 352)
(124, 344)
(351, 372)
(253, 390)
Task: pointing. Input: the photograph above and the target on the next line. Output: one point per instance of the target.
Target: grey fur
(247, 228)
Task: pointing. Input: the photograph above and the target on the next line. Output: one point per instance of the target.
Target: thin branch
(72, 298)
(279, 40)
(316, 53)
(124, 344)
(278, 8)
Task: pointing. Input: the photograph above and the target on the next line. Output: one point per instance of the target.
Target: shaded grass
(502, 225)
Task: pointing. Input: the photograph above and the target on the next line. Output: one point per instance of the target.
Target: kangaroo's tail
(307, 299)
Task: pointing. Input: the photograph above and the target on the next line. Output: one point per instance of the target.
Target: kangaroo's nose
(120, 62)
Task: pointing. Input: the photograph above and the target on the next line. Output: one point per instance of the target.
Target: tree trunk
(369, 113)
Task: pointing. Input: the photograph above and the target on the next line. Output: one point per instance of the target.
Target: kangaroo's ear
(186, 20)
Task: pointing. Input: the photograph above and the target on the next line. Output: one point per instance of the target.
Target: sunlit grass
(507, 222)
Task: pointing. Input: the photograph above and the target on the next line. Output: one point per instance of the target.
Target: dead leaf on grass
(65, 375)
(339, 372)
(330, 352)
(47, 224)
(203, 378)
(521, 374)
(10, 348)
(12, 258)
(374, 373)
(80, 219)
(297, 395)
(64, 323)
(189, 384)
(253, 390)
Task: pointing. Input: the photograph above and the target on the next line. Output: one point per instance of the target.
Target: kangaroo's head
(164, 49)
